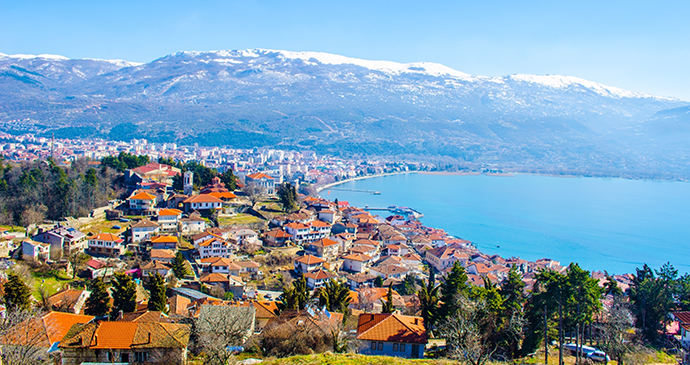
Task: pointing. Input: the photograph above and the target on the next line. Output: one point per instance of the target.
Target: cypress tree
(124, 294)
(98, 303)
(178, 266)
(157, 300)
(387, 306)
(17, 294)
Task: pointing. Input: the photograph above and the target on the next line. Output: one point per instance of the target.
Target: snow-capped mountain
(319, 100)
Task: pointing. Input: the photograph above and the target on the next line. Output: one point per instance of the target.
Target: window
(380, 346)
(395, 347)
(124, 357)
(373, 345)
(141, 356)
(402, 347)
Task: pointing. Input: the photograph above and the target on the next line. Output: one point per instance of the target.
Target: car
(599, 356)
(268, 296)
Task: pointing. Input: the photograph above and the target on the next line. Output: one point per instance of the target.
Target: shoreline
(336, 183)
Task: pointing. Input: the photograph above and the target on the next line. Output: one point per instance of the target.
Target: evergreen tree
(513, 293)
(295, 296)
(428, 300)
(408, 286)
(378, 282)
(98, 303)
(157, 298)
(124, 294)
(387, 305)
(17, 293)
(455, 284)
(178, 266)
(288, 196)
(229, 179)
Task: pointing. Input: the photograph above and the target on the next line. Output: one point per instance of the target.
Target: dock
(372, 192)
(404, 211)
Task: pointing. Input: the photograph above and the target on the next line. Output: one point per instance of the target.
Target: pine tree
(428, 301)
(157, 300)
(178, 266)
(288, 196)
(98, 303)
(387, 306)
(17, 294)
(124, 294)
(455, 284)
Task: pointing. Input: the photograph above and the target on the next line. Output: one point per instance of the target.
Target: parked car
(599, 356)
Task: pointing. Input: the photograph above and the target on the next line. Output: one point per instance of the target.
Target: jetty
(372, 192)
(404, 211)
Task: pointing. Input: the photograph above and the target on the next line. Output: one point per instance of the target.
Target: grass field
(51, 283)
(239, 219)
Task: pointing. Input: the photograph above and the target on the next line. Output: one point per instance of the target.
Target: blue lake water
(602, 224)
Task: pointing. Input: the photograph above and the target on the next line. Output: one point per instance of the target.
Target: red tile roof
(259, 175)
(202, 198)
(143, 196)
(391, 328)
(309, 260)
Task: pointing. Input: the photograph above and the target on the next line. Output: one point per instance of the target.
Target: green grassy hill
(352, 359)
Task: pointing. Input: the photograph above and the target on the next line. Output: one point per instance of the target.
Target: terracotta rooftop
(387, 327)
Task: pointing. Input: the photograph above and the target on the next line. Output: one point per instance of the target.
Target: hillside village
(229, 261)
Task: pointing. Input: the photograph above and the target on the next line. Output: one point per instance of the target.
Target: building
(318, 279)
(265, 182)
(142, 203)
(325, 248)
(164, 243)
(144, 230)
(106, 244)
(68, 300)
(36, 250)
(213, 247)
(308, 263)
(391, 335)
(356, 262)
(154, 267)
(276, 238)
(43, 333)
(192, 224)
(188, 183)
(162, 255)
(62, 239)
(168, 219)
(202, 203)
(126, 342)
(220, 265)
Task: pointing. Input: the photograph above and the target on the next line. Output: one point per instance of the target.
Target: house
(162, 255)
(299, 232)
(276, 238)
(360, 279)
(229, 283)
(244, 235)
(391, 335)
(319, 230)
(143, 230)
(265, 311)
(68, 300)
(327, 215)
(220, 265)
(308, 263)
(443, 257)
(355, 262)
(106, 244)
(214, 247)
(265, 182)
(317, 279)
(325, 248)
(202, 203)
(127, 342)
(389, 271)
(248, 267)
(36, 250)
(192, 224)
(43, 333)
(98, 268)
(164, 243)
(683, 319)
(142, 203)
(152, 268)
(62, 239)
(168, 219)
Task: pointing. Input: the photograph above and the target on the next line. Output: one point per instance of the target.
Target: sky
(636, 45)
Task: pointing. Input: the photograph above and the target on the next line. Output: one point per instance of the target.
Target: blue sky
(635, 45)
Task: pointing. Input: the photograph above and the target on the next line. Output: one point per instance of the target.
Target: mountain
(342, 105)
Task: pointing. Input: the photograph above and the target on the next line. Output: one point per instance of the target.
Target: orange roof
(259, 175)
(319, 224)
(265, 309)
(214, 277)
(107, 237)
(57, 324)
(126, 335)
(357, 257)
(324, 242)
(202, 198)
(162, 253)
(309, 260)
(319, 275)
(143, 196)
(297, 225)
(170, 212)
(164, 239)
(391, 328)
(278, 233)
(223, 195)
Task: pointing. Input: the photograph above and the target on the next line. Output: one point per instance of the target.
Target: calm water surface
(602, 224)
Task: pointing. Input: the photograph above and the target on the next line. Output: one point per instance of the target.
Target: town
(210, 255)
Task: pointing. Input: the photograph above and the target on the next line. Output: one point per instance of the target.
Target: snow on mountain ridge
(116, 62)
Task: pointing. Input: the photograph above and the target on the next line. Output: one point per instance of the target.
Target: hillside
(353, 359)
(339, 105)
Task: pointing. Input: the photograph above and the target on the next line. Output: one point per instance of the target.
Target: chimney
(120, 315)
(95, 340)
(416, 321)
(149, 337)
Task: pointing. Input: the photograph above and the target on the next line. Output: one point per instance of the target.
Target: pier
(372, 192)
(404, 211)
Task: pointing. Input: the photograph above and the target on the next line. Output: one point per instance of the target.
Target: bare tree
(254, 192)
(616, 321)
(22, 340)
(77, 259)
(219, 328)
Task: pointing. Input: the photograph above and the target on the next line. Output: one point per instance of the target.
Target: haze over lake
(602, 224)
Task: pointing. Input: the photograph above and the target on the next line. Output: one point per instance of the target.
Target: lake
(600, 223)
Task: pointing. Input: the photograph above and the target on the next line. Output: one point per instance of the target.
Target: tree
(178, 266)
(17, 294)
(295, 296)
(616, 321)
(219, 328)
(287, 196)
(98, 303)
(611, 286)
(408, 286)
(378, 281)
(157, 299)
(428, 300)
(513, 293)
(455, 284)
(335, 296)
(387, 305)
(229, 179)
(76, 260)
(649, 298)
(22, 342)
(124, 295)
